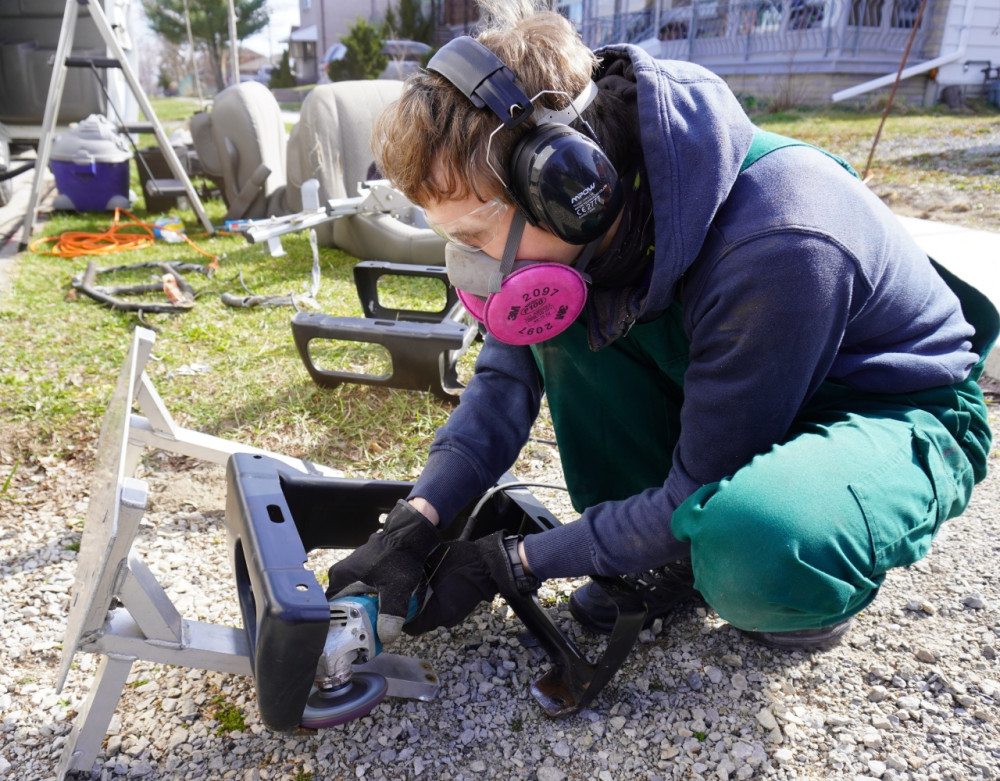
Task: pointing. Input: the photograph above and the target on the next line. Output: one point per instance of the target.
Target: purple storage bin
(90, 163)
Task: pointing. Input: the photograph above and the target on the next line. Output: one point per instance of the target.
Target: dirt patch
(949, 172)
(197, 486)
(979, 210)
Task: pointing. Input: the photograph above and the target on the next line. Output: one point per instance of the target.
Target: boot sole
(587, 621)
(821, 641)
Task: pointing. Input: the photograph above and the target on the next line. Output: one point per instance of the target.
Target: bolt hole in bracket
(275, 515)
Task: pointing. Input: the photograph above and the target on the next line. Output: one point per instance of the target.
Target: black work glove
(462, 574)
(390, 564)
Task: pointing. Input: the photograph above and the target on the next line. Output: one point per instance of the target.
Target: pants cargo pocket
(908, 497)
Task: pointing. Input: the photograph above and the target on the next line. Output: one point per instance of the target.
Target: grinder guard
(275, 515)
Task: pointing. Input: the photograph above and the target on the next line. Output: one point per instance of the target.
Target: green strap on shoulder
(764, 142)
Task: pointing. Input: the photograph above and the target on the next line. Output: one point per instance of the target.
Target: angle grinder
(342, 693)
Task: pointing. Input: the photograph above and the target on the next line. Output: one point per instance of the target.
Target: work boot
(662, 590)
(804, 639)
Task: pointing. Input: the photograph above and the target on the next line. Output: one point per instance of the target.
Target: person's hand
(390, 564)
(462, 574)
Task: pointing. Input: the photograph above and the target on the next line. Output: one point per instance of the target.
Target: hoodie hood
(694, 136)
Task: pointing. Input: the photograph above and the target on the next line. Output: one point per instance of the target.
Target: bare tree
(209, 22)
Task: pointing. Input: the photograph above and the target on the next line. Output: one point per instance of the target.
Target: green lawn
(226, 371)
(974, 169)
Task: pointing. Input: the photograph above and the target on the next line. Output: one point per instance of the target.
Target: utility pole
(192, 60)
(321, 41)
(234, 44)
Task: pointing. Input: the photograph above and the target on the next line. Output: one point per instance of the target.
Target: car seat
(243, 142)
(332, 144)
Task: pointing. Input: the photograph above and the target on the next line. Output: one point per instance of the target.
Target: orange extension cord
(73, 244)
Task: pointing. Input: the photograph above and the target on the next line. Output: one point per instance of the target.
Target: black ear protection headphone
(555, 175)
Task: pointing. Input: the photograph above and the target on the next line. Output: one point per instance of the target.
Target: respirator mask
(519, 301)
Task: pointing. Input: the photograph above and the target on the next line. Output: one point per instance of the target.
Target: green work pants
(803, 535)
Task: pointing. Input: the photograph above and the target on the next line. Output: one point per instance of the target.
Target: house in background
(791, 51)
(961, 52)
(812, 51)
(302, 53)
(253, 64)
(322, 22)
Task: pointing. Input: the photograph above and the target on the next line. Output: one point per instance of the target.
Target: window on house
(572, 10)
(806, 14)
(866, 13)
(904, 13)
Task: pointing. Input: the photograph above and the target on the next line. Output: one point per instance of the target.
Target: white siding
(981, 41)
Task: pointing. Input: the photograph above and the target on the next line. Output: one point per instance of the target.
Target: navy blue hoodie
(794, 273)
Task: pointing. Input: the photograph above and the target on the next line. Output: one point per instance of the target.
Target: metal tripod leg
(56, 87)
(95, 715)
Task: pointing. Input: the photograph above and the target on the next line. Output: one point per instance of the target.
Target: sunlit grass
(227, 371)
(852, 136)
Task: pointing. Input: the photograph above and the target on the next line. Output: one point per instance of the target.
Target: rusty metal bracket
(111, 294)
(574, 681)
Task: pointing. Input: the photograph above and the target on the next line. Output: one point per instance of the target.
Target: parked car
(336, 52)
(263, 74)
(405, 57)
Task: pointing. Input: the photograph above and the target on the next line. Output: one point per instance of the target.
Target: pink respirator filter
(535, 303)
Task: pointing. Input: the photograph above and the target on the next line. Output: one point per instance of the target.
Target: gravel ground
(912, 694)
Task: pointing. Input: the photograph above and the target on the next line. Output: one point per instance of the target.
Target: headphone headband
(483, 78)
(573, 111)
(557, 176)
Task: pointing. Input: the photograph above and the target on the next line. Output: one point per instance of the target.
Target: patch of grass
(172, 113)
(230, 717)
(922, 158)
(851, 134)
(9, 477)
(225, 371)
(174, 109)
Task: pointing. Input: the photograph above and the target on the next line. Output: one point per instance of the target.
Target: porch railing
(704, 30)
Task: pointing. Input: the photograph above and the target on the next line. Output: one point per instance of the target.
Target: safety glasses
(475, 229)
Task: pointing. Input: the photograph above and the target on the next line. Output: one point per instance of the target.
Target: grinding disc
(351, 701)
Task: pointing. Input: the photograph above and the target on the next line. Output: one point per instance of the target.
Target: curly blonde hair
(434, 123)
